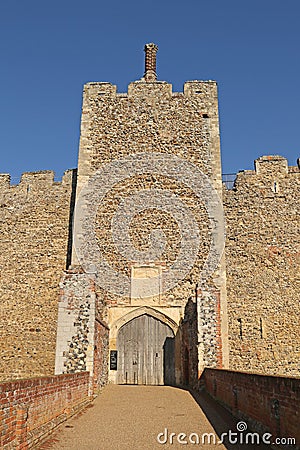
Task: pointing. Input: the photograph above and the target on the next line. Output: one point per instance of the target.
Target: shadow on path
(127, 417)
(222, 421)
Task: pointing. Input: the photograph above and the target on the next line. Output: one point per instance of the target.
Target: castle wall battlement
(43, 179)
(257, 276)
(197, 88)
(268, 171)
(270, 165)
(35, 231)
(150, 118)
(262, 266)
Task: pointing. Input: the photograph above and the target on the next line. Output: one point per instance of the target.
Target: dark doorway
(186, 367)
(169, 361)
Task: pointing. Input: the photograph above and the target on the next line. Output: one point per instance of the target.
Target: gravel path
(131, 417)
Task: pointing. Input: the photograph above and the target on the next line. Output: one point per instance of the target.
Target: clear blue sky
(49, 49)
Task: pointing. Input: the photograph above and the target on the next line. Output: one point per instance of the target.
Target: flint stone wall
(151, 118)
(34, 227)
(76, 324)
(263, 275)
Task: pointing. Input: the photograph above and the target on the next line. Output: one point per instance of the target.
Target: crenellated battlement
(255, 277)
(270, 165)
(267, 169)
(41, 180)
(140, 88)
(35, 224)
(262, 261)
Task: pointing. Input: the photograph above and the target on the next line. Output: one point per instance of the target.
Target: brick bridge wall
(266, 403)
(32, 408)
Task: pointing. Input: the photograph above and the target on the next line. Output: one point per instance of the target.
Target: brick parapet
(32, 408)
(268, 404)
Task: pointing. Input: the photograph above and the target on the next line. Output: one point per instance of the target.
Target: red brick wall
(31, 408)
(267, 403)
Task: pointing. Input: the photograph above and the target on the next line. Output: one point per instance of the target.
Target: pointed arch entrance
(146, 355)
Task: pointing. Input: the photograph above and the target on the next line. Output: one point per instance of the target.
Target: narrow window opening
(241, 328)
(261, 328)
(198, 92)
(275, 187)
(205, 116)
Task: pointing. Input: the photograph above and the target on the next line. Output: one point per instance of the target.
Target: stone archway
(145, 348)
(136, 312)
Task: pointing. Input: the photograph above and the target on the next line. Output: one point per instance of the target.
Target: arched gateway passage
(145, 352)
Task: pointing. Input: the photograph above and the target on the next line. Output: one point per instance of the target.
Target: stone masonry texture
(151, 118)
(263, 276)
(34, 224)
(245, 316)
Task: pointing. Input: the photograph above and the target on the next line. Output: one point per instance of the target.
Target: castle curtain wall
(34, 227)
(263, 260)
(258, 274)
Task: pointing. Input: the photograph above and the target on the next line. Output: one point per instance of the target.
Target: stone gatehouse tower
(148, 159)
(120, 268)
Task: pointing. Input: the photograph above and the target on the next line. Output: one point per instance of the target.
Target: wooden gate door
(142, 348)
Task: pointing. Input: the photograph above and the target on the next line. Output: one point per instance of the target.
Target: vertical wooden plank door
(145, 352)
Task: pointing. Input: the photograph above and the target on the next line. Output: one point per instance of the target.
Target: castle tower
(149, 231)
